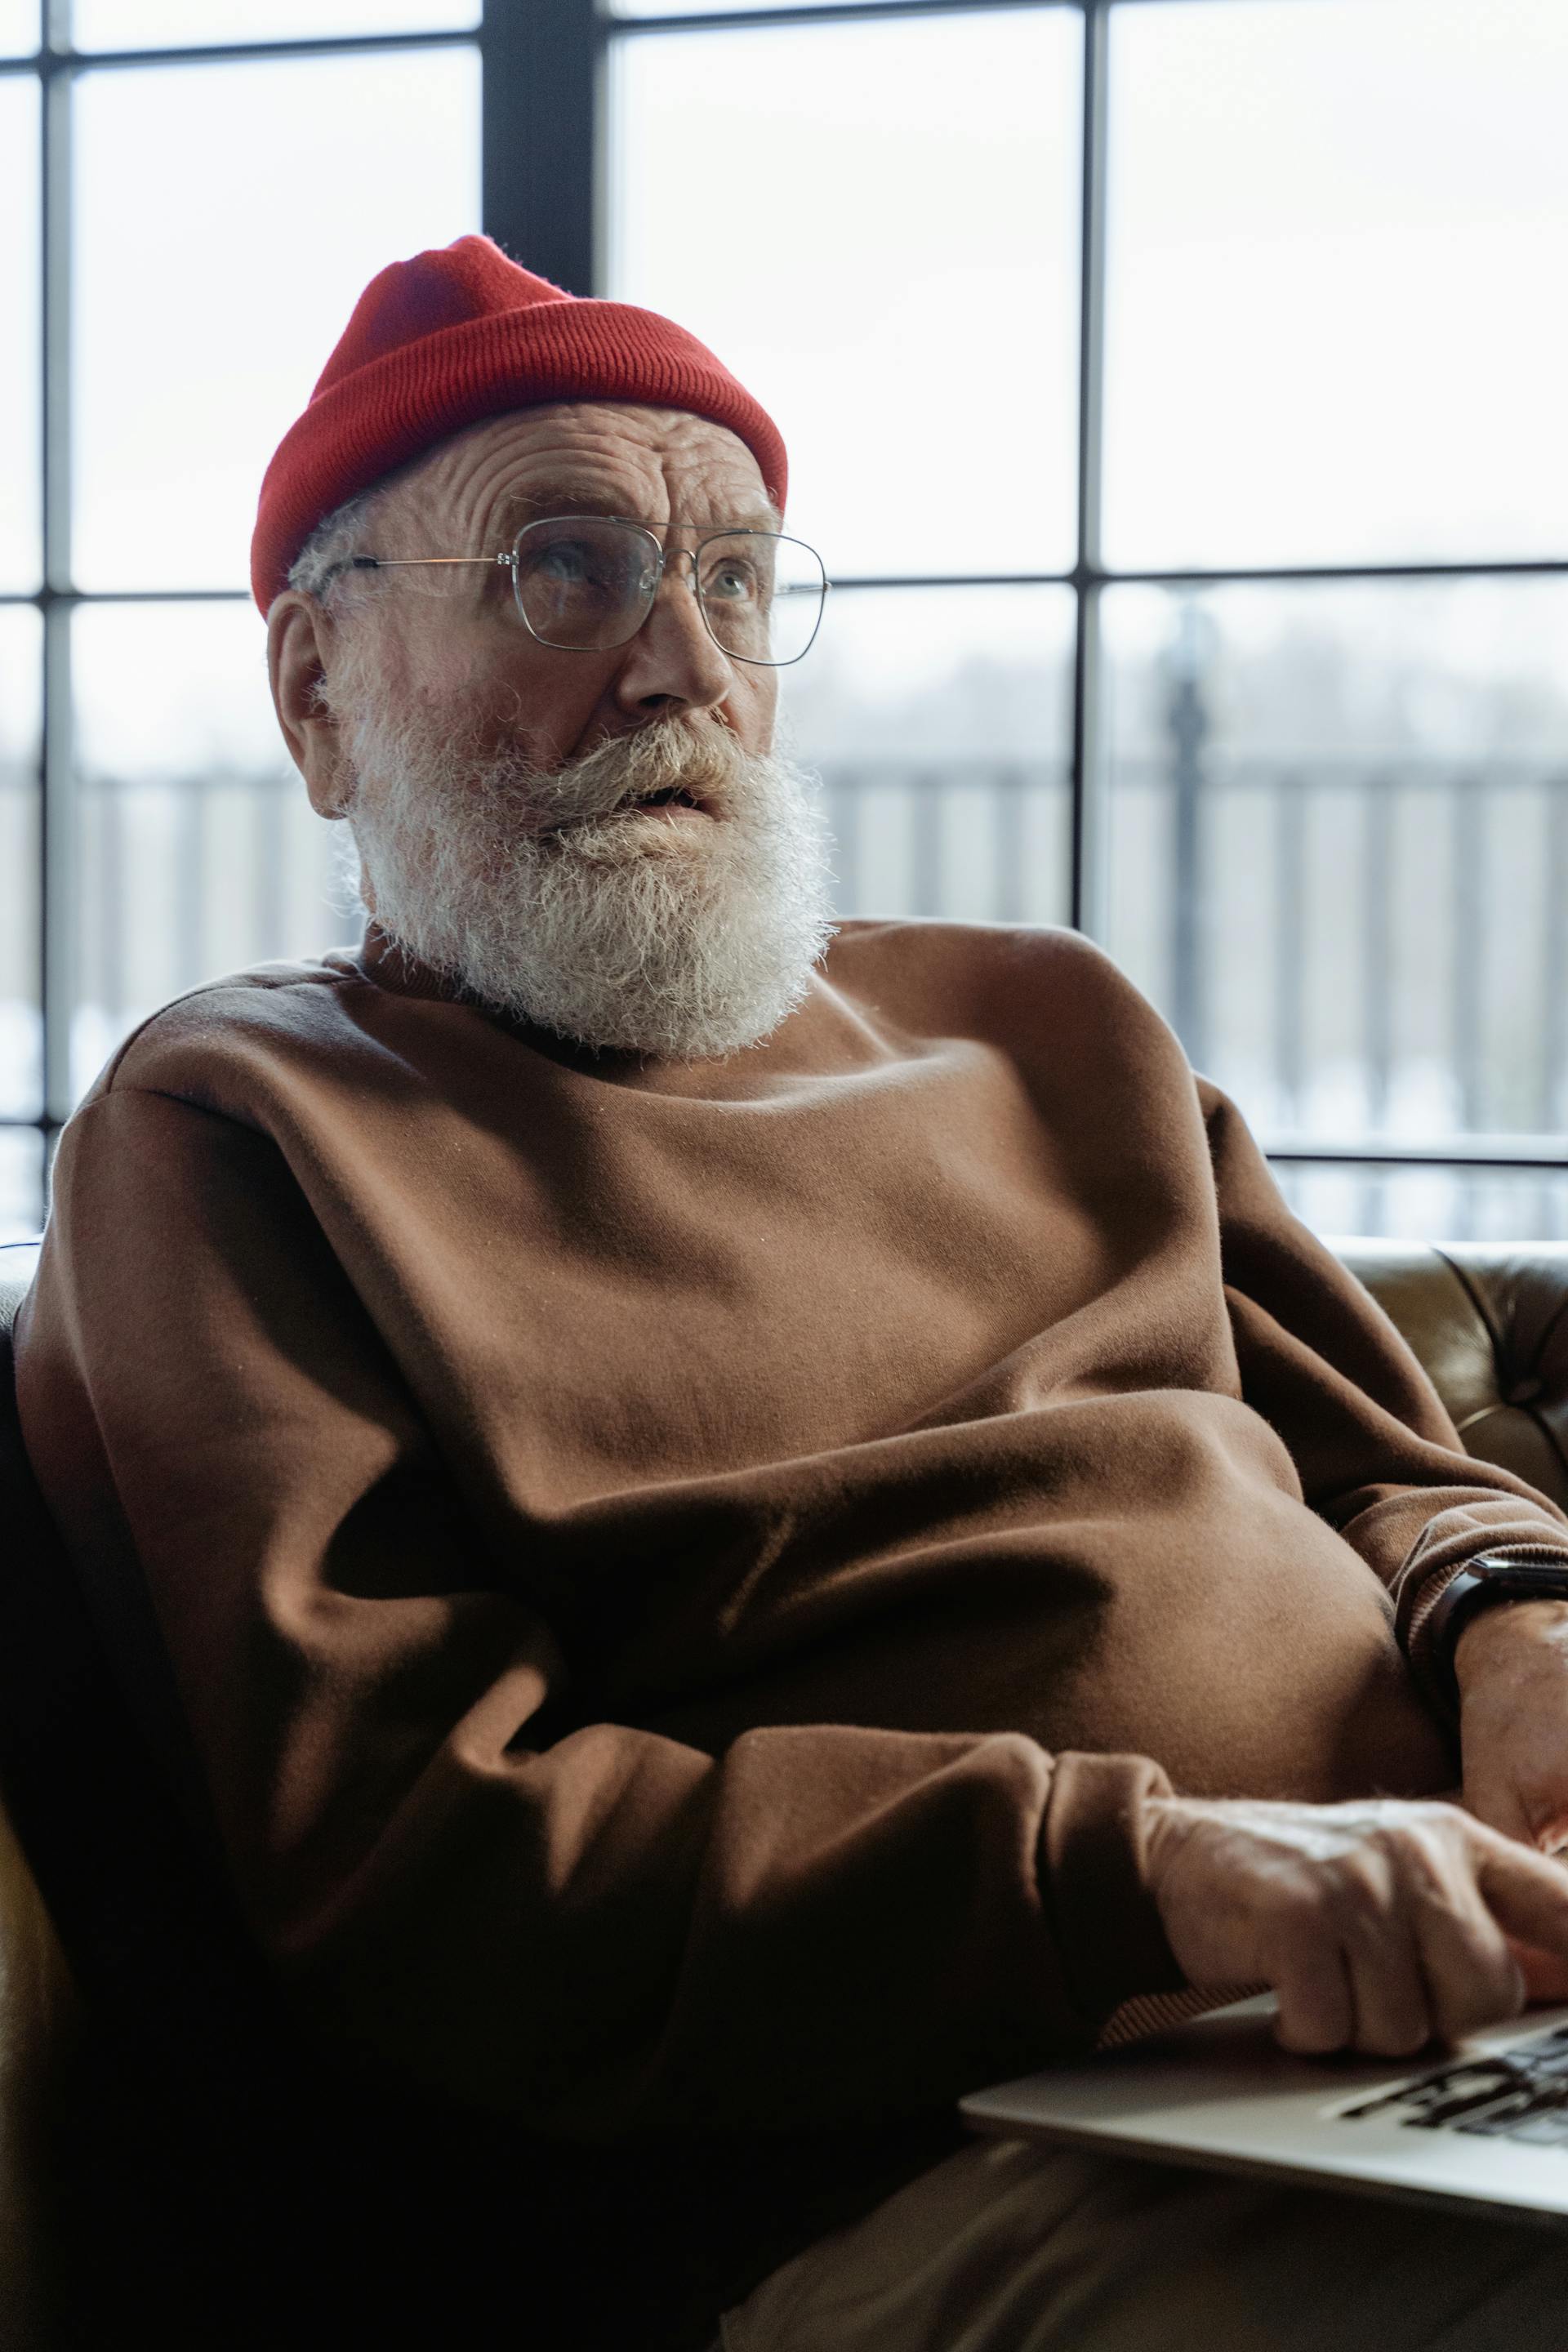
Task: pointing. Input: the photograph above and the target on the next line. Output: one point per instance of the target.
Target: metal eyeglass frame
(508, 558)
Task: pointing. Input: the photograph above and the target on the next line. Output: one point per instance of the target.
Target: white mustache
(669, 754)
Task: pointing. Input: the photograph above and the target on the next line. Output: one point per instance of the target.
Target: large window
(187, 229)
(1173, 387)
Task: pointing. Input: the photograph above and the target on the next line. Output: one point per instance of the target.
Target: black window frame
(545, 67)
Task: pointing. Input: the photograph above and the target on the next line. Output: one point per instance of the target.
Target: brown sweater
(679, 1578)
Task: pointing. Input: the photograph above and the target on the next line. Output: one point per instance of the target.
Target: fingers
(1379, 1924)
(1397, 1944)
(1545, 1976)
(1346, 1967)
(1526, 1892)
(1464, 1889)
(1472, 1977)
(1395, 2008)
(1316, 2013)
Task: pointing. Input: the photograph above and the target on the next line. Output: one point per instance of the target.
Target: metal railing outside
(1364, 951)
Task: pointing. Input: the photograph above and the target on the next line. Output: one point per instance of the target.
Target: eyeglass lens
(588, 582)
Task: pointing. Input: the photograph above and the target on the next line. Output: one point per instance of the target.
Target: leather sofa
(1489, 1323)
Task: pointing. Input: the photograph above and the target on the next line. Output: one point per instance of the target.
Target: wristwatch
(1490, 1577)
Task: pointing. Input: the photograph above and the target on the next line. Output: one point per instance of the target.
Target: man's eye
(566, 559)
(731, 581)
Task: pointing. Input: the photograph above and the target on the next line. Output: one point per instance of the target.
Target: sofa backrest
(17, 1260)
(1489, 1322)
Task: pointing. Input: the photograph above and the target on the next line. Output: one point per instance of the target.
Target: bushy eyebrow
(566, 497)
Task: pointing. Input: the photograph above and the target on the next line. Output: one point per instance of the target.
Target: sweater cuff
(1094, 1882)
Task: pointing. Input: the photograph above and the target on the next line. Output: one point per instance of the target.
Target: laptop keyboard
(1520, 2094)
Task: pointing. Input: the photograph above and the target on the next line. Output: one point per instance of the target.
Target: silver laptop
(1482, 2126)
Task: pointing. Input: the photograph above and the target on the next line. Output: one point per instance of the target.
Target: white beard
(545, 895)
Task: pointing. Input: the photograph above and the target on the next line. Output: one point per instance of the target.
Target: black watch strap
(1490, 1577)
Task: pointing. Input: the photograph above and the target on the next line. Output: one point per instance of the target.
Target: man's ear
(298, 633)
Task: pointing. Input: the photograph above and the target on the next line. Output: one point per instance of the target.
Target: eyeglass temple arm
(400, 562)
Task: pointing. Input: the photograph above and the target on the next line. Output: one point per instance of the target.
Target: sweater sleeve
(1377, 1454)
(463, 1878)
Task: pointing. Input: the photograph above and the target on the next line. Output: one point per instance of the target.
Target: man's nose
(673, 660)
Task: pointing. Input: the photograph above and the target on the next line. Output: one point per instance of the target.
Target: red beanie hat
(460, 333)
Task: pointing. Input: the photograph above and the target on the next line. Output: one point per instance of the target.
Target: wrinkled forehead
(660, 465)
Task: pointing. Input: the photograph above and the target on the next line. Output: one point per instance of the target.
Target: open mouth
(672, 797)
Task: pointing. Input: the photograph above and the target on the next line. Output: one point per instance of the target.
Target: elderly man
(745, 1535)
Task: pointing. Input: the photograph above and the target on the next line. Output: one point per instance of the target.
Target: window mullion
(1088, 861)
(539, 135)
(57, 887)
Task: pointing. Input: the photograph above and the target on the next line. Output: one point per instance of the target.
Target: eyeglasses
(584, 583)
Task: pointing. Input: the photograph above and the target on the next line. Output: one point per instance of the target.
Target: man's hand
(1513, 1667)
(1511, 1662)
(1380, 1924)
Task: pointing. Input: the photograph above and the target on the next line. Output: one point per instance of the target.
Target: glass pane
(887, 259)
(194, 24)
(197, 851)
(1339, 846)
(19, 27)
(21, 1184)
(181, 400)
(939, 722)
(1430, 1204)
(1333, 230)
(21, 1037)
(21, 555)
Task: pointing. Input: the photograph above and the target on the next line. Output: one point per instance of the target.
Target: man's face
(459, 631)
(498, 788)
